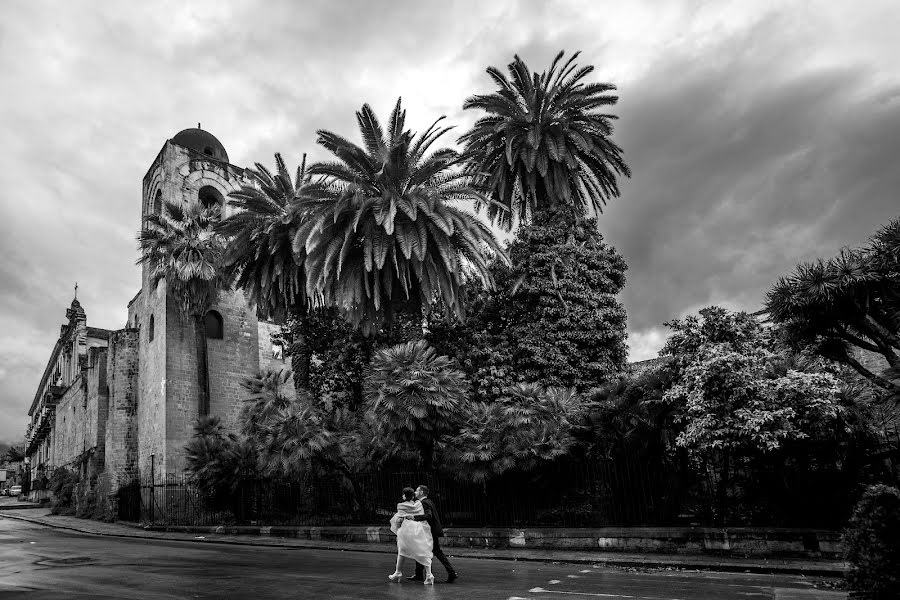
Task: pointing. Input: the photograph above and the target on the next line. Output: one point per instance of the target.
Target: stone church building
(122, 403)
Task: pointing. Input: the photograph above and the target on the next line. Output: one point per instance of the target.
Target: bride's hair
(409, 493)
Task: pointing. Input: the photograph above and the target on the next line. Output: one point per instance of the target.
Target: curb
(457, 552)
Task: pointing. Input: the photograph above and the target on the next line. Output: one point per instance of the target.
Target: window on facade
(151, 327)
(214, 326)
(157, 202)
(210, 197)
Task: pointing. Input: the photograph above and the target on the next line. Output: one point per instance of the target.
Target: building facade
(122, 403)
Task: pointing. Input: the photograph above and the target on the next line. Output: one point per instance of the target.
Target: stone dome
(201, 141)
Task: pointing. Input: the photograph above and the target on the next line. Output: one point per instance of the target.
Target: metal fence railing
(572, 495)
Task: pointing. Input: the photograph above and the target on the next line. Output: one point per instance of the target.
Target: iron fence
(604, 493)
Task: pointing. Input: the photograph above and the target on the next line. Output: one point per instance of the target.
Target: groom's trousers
(438, 554)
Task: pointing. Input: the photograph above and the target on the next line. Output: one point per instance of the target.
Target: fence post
(152, 486)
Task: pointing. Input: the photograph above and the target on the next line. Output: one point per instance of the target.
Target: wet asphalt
(38, 562)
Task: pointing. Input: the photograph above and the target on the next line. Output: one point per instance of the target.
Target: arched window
(157, 203)
(210, 197)
(208, 151)
(151, 326)
(214, 327)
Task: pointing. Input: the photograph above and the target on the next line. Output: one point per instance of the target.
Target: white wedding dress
(413, 537)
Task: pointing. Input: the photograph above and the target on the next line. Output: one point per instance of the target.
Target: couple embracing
(419, 530)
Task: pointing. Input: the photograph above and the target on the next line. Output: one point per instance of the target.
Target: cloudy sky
(759, 133)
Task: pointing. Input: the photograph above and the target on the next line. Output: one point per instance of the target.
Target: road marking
(553, 581)
(572, 576)
(585, 571)
(538, 590)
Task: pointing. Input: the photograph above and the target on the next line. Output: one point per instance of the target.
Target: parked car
(15, 490)
(4, 492)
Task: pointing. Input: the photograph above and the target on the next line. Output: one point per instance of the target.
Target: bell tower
(191, 167)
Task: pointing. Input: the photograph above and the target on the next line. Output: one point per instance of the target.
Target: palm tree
(259, 257)
(545, 141)
(413, 397)
(180, 246)
(387, 239)
(531, 425)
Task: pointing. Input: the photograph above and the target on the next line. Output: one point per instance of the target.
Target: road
(39, 562)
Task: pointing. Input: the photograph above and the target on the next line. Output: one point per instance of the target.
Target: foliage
(530, 426)
(218, 462)
(259, 256)
(545, 141)
(15, 454)
(387, 238)
(731, 402)
(481, 346)
(564, 320)
(872, 540)
(179, 246)
(848, 303)
(291, 436)
(62, 484)
(413, 397)
(627, 417)
(339, 355)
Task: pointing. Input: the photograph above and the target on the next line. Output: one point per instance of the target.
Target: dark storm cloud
(759, 133)
(746, 161)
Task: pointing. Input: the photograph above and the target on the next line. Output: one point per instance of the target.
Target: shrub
(62, 484)
(872, 540)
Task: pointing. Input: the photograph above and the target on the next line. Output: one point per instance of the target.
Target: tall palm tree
(545, 141)
(259, 257)
(180, 246)
(388, 237)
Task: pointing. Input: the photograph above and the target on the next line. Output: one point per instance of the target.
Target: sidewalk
(827, 568)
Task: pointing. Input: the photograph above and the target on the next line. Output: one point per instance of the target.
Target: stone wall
(79, 425)
(68, 436)
(232, 359)
(152, 381)
(121, 423)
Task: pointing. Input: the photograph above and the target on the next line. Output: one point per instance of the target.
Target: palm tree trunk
(202, 365)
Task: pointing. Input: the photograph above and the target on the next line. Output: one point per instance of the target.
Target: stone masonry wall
(232, 359)
(152, 380)
(69, 427)
(121, 423)
(80, 415)
(97, 405)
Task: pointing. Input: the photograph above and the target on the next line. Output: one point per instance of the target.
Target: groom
(437, 531)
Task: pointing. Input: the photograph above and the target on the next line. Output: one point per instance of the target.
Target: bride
(413, 537)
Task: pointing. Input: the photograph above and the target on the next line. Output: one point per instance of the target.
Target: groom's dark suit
(434, 521)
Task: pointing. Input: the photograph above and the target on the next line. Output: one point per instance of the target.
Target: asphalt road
(41, 562)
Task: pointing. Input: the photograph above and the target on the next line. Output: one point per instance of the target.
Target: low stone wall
(744, 541)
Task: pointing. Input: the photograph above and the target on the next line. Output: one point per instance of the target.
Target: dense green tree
(259, 257)
(564, 319)
(737, 399)
(545, 141)
(389, 240)
(179, 246)
(847, 304)
(413, 398)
